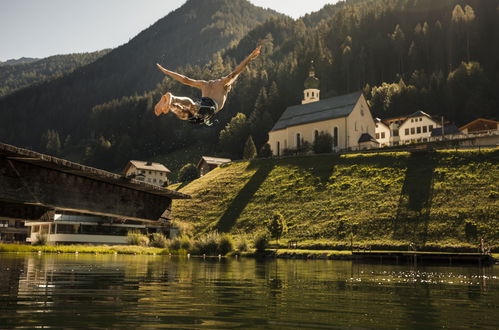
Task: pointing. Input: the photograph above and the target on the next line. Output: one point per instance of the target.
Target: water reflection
(131, 291)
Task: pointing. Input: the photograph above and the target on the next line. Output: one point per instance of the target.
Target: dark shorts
(207, 109)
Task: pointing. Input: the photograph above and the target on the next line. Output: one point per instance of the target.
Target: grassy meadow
(443, 200)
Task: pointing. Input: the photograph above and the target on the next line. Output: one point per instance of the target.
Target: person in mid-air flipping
(214, 95)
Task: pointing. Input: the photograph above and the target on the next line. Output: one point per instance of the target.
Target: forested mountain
(441, 57)
(24, 72)
(22, 60)
(190, 34)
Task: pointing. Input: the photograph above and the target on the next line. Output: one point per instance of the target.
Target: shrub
(225, 244)
(213, 243)
(277, 226)
(207, 244)
(265, 151)
(185, 243)
(188, 173)
(174, 244)
(261, 241)
(242, 244)
(136, 238)
(158, 240)
(323, 143)
(41, 239)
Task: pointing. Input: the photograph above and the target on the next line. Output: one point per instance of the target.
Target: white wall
(150, 176)
(409, 132)
(382, 134)
(359, 121)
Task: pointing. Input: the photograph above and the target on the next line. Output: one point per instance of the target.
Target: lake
(115, 291)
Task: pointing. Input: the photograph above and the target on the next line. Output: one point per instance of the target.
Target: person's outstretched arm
(229, 80)
(181, 78)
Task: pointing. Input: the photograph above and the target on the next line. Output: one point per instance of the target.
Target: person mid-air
(214, 94)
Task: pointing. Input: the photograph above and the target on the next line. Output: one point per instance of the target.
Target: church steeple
(311, 92)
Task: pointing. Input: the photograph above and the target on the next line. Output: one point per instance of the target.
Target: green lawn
(444, 200)
(100, 249)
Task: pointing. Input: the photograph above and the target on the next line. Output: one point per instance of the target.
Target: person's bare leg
(163, 105)
(177, 104)
(180, 112)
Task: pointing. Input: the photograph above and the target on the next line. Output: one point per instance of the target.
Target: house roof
(419, 113)
(366, 137)
(213, 160)
(379, 121)
(149, 166)
(448, 130)
(334, 107)
(489, 121)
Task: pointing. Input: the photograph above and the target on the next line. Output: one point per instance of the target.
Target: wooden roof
(62, 165)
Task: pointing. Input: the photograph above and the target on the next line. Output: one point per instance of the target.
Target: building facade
(481, 126)
(417, 128)
(346, 118)
(13, 230)
(153, 173)
(382, 133)
(73, 228)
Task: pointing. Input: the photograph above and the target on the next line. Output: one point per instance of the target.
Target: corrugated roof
(215, 160)
(448, 130)
(150, 166)
(334, 107)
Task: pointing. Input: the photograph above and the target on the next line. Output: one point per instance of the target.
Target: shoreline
(303, 254)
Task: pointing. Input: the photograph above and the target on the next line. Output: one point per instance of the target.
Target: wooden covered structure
(33, 185)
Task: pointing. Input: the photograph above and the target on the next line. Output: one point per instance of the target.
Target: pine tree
(249, 151)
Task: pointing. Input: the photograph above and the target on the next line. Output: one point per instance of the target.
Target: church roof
(334, 107)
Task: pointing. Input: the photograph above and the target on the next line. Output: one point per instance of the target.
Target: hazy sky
(41, 28)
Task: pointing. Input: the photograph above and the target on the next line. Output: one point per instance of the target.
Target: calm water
(73, 291)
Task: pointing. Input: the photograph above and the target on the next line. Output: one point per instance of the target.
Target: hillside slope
(23, 72)
(435, 200)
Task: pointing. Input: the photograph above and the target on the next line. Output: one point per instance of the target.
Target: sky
(41, 28)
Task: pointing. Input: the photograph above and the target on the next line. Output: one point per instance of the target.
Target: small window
(406, 131)
(278, 148)
(418, 130)
(316, 134)
(425, 129)
(382, 135)
(377, 136)
(413, 130)
(430, 128)
(298, 140)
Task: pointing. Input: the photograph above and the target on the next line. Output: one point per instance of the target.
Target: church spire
(311, 92)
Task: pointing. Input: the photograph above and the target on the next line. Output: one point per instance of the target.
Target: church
(346, 118)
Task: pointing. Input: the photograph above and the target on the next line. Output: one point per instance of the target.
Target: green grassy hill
(437, 200)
